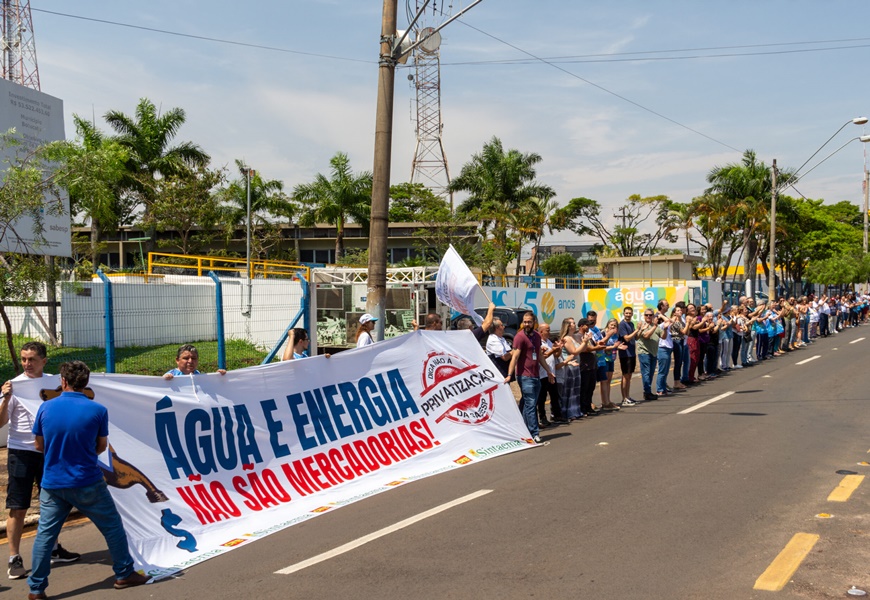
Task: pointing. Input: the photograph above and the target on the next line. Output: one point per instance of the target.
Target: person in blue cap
(364, 331)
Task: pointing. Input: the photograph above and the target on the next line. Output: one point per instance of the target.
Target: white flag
(455, 284)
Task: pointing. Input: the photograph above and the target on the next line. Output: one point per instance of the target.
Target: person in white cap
(364, 331)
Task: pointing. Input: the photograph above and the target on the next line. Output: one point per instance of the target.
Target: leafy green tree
(147, 137)
(355, 257)
(810, 232)
(415, 203)
(94, 166)
(188, 204)
(342, 197)
(269, 205)
(528, 223)
(497, 183)
(647, 222)
(713, 218)
(560, 265)
(747, 187)
(29, 190)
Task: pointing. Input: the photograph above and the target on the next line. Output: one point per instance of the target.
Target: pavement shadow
(553, 436)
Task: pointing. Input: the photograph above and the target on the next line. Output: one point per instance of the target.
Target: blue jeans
(678, 360)
(647, 369)
(530, 387)
(684, 375)
(95, 502)
(664, 361)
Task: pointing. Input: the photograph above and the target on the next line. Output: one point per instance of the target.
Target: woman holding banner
(364, 331)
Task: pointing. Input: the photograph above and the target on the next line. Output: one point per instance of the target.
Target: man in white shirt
(24, 461)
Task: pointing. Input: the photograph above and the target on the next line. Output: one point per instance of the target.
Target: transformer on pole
(19, 43)
(429, 166)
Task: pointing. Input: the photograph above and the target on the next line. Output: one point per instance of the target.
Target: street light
(797, 177)
(855, 121)
(863, 138)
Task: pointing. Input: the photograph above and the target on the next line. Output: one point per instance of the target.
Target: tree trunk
(519, 258)
(95, 245)
(500, 235)
(339, 240)
(749, 257)
(296, 241)
(9, 342)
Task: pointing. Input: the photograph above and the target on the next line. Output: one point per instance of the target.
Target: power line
(581, 60)
(571, 59)
(202, 37)
(602, 88)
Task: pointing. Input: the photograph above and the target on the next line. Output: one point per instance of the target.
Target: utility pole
(377, 275)
(248, 174)
(771, 281)
(866, 204)
(621, 214)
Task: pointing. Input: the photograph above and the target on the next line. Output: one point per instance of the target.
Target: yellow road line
(849, 484)
(786, 563)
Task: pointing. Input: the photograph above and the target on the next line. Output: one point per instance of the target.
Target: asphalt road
(644, 504)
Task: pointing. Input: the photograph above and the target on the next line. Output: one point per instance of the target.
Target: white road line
(856, 341)
(704, 403)
(803, 362)
(380, 533)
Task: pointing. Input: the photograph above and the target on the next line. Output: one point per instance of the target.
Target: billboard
(37, 118)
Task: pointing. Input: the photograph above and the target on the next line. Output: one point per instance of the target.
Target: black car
(511, 317)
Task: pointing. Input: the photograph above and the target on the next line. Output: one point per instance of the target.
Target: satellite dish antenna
(402, 50)
(431, 40)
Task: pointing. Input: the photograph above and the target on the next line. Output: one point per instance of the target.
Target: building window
(317, 256)
(397, 255)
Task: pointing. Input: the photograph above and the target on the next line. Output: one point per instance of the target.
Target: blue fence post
(302, 314)
(306, 303)
(110, 322)
(219, 314)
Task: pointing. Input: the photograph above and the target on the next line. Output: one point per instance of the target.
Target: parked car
(511, 317)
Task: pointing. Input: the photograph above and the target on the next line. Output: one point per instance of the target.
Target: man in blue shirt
(71, 431)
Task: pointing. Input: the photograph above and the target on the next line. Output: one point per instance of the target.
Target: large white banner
(455, 284)
(199, 465)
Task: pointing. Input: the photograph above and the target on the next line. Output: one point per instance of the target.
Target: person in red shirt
(526, 360)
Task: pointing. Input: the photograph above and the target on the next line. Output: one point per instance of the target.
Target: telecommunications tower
(430, 163)
(19, 43)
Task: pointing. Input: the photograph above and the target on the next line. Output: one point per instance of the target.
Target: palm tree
(336, 200)
(529, 222)
(147, 137)
(268, 202)
(498, 182)
(747, 187)
(94, 169)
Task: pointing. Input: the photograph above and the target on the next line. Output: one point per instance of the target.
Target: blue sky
(287, 113)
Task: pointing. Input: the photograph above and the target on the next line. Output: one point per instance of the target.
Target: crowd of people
(700, 342)
(57, 448)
